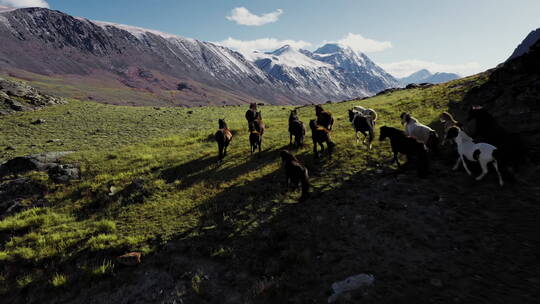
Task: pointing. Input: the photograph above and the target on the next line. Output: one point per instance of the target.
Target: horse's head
(312, 124)
(318, 109)
(451, 134)
(287, 156)
(253, 106)
(222, 123)
(383, 134)
(405, 118)
(351, 115)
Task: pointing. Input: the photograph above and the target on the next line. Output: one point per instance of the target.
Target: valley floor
(229, 233)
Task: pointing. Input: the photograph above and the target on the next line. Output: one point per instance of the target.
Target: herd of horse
(493, 145)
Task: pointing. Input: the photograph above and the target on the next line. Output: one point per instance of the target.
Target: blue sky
(463, 36)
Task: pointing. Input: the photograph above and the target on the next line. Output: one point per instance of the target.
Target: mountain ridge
(138, 64)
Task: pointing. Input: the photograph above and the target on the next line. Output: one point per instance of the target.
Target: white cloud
(407, 67)
(24, 3)
(247, 47)
(243, 16)
(362, 44)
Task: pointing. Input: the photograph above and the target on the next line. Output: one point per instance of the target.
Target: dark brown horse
(251, 113)
(223, 137)
(296, 129)
(320, 135)
(255, 138)
(295, 173)
(412, 148)
(324, 118)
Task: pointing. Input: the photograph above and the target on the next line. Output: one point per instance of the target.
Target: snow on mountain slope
(330, 70)
(49, 42)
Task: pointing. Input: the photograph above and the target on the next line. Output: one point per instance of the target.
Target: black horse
(363, 125)
(412, 148)
(296, 129)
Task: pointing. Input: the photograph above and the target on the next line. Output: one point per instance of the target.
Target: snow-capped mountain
(425, 76)
(130, 65)
(331, 71)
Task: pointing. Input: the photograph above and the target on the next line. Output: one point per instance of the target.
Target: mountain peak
(329, 48)
(281, 50)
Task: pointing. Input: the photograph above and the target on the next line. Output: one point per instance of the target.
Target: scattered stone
(53, 140)
(350, 284)
(9, 148)
(38, 121)
(64, 173)
(190, 112)
(130, 259)
(436, 282)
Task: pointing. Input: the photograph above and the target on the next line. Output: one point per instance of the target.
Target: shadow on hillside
(197, 170)
(403, 230)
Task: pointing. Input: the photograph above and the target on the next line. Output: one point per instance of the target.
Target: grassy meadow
(183, 194)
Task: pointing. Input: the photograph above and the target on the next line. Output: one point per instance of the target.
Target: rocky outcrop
(17, 96)
(511, 96)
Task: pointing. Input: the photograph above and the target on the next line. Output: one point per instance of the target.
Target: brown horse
(296, 129)
(251, 113)
(324, 118)
(320, 135)
(223, 137)
(255, 138)
(259, 124)
(295, 173)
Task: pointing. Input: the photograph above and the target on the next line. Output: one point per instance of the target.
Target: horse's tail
(433, 141)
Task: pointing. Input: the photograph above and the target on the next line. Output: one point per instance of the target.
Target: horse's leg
(483, 165)
(290, 138)
(496, 166)
(220, 156)
(456, 166)
(260, 145)
(465, 166)
(357, 136)
(396, 160)
(315, 148)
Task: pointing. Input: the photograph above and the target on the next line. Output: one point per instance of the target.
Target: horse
(223, 137)
(362, 124)
(258, 123)
(482, 153)
(296, 129)
(251, 113)
(448, 121)
(320, 135)
(324, 118)
(423, 133)
(369, 113)
(412, 148)
(295, 173)
(255, 138)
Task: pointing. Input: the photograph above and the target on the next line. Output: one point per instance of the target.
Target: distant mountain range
(424, 75)
(120, 64)
(526, 44)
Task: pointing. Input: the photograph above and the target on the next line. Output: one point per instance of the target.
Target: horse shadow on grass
(205, 169)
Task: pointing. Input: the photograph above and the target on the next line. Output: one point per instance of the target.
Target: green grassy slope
(86, 223)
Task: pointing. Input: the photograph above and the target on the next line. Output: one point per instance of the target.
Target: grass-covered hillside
(229, 233)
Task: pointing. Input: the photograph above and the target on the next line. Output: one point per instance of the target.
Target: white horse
(369, 113)
(421, 132)
(480, 152)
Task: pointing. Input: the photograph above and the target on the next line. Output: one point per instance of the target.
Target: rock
(350, 284)
(130, 259)
(38, 121)
(436, 282)
(37, 162)
(9, 148)
(64, 173)
(53, 140)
